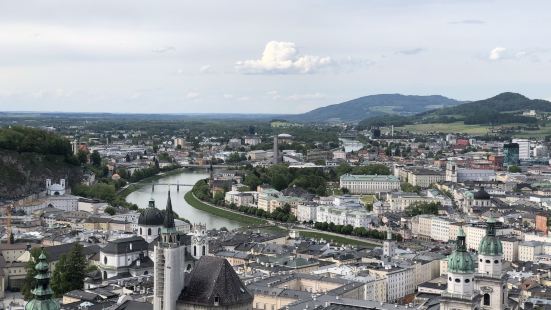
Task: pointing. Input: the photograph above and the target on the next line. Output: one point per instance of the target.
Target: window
(145, 273)
(204, 250)
(105, 260)
(486, 301)
(194, 250)
(481, 260)
(496, 262)
(488, 261)
(457, 280)
(467, 280)
(149, 231)
(141, 231)
(216, 300)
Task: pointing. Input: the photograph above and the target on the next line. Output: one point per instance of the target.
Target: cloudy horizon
(265, 57)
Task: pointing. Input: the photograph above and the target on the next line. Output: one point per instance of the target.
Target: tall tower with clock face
(199, 241)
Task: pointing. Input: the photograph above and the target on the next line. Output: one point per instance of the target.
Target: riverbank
(227, 214)
(252, 220)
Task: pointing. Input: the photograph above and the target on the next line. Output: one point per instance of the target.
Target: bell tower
(199, 241)
(490, 280)
(460, 293)
(170, 264)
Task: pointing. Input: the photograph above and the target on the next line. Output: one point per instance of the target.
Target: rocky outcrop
(23, 174)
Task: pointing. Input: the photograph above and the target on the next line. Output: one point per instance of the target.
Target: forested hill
(29, 156)
(505, 108)
(500, 109)
(374, 105)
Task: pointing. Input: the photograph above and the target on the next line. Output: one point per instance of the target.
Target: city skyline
(279, 57)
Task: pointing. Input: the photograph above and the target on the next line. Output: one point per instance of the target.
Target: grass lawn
(455, 127)
(197, 204)
(337, 239)
(368, 199)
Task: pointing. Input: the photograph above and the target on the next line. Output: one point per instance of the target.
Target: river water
(141, 198)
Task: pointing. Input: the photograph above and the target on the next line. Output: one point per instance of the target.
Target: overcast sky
(265, 56)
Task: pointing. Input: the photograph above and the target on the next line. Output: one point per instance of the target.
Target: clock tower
(199, 241)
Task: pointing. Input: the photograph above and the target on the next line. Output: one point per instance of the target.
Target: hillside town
(378, 219)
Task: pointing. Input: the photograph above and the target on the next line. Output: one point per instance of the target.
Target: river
(142, 196)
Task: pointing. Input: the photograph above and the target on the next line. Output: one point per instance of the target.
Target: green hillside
(505, 108)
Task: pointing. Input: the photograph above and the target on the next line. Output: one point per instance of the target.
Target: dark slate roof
(145, 262)
(54, 252)
(134, 305)
(82, 295)
(214, 278)
(481, 194)
(151, 216)
(120, 246)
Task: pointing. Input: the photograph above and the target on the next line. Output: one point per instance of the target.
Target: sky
(284, 56)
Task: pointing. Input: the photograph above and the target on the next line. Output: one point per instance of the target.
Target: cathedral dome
(481, 195)
(461, 261)
(151, 216)
(490, 245)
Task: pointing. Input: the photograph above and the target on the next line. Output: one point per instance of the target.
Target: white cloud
(299, 97)
(206, 69)
(496, 53)
(283, 58)
(192, 95)
(469, 22)
(412, 51)
(228, 96)
(164, 49)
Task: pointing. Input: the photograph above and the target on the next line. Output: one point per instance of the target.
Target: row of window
(459, 280)
(489, 261)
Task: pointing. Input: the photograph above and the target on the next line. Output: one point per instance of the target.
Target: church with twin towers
(483, 288)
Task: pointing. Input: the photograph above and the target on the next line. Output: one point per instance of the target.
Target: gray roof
(213, 279)
(134, 305)
(123, 245)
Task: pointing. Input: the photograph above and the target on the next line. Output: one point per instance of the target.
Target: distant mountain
(501, 109)
(505, 108)
(358, 109)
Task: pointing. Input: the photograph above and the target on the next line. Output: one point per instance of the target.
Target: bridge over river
(170, 185)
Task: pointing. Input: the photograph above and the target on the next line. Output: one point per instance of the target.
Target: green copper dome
(490, 245)
(43, 294)
(460, 261)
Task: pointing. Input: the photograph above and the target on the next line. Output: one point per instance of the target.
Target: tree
(70, 271)
(514, 169)
(110, 210)
(30, 281)
(423, 208)
(95, 158)
(59, 284)
(82, 156)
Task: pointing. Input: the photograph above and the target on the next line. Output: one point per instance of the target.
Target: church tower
(169, 268)
(490, 280)
(389, 246)
(43, 294)
(199, 241)
(451, 171)
(460, 293)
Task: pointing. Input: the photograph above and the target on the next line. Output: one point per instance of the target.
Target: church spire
(43, 294)
(169, 214)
